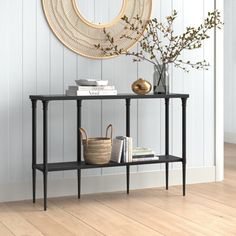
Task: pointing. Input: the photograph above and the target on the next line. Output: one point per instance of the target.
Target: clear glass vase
(161, 79)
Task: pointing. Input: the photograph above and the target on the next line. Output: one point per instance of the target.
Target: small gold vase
(141, 87)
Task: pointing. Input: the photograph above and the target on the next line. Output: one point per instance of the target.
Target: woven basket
(97, 150)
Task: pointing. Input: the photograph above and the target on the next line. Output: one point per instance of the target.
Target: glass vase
(161, 79)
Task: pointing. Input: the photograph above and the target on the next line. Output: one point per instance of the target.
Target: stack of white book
(122, 149)
(143, 154)
(91, 88)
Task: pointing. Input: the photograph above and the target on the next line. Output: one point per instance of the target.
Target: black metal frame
(78, 165)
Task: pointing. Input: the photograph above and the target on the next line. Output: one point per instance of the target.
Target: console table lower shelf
(74, 165)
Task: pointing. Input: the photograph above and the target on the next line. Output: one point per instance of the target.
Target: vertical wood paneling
(43, 57)
(230, 71)
(166, 9)
(29, 52)
(177, 87)
(121, 72)
(228, 58)
(208, 94)
(90, 69)
(91, 118)
(70, 134)
(194, 86)
(233, 59)
(151, 113)
(4, 92)
(56, 85)
(15, 92)
(34, 61)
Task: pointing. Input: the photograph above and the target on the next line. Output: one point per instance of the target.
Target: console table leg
(128, 117)
(167, 140)
(128, 135)
(127, 177)
(79, 105)
(34, 146)
(184, 177)
(45, 184)
(184, 101)
(167, 176)
(79, 182)
(45, 150)
(34, 184)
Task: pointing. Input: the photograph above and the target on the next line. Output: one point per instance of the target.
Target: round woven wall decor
(80, 36)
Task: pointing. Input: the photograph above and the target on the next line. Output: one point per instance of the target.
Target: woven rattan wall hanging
(80, 35)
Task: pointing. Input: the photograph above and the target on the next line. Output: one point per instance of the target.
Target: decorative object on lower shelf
(141, 87)
(97, 150)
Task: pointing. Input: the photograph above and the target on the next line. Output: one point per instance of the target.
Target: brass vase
(141, 87)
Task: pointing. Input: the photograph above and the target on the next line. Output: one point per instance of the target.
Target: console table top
(98, 97)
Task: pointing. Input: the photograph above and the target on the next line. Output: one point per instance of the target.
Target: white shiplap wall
(33, 61)
(230, 72)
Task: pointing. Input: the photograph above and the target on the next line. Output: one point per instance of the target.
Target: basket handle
(111, 128)
(83, 131)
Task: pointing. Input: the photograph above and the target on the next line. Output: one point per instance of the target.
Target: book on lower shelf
(145, 158)
(143, 154)
(126, 153)
(117, 148)
(123, 151)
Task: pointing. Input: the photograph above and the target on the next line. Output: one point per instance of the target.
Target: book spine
(126, 149)
(89, 88)
(146, 159)
(70, 93)
(120, 152)
(143, 153)
(90, 93)
(94, 93)
(123, 148)
(130, 148)
(143, 156)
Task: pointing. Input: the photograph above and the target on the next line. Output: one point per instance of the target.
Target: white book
(126, 149)
(117, 147)
(123, 157)
(143, 153)
(88, 88)
(140, 151)
(91, 93)
(146, 159)
(130, 141)
(91, 82)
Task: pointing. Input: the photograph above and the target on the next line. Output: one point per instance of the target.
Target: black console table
(78, 165)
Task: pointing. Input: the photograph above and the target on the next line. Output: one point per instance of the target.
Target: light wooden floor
(208, 209)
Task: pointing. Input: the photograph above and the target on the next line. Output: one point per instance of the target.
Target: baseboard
(106, 183)
(229, 137)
